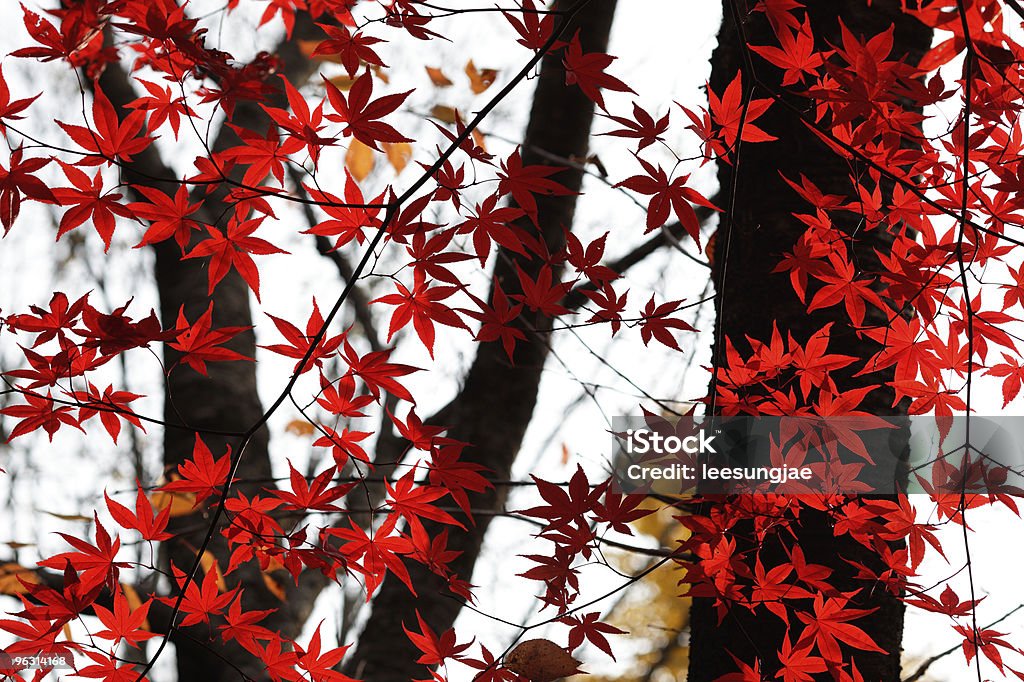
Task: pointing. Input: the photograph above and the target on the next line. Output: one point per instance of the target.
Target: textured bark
(752, 299)
(496, 403)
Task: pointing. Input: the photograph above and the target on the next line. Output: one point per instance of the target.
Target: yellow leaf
(273, 586)
(9, 582)
(444, 113)
(300, 427)
(359, 160)
(209, 563)
(478, 137)
(181, 504)
(308, 47)
(479, 79)
(437, 77)
(68, 517)
(342, 82)
(399, 154)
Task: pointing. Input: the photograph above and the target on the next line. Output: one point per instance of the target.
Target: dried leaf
(300, 427)
(541, 660)
(209, 563)
(68, 517)
(274, 587)
(308, 47)
(444, 113)
(181, 504)
(359, 160)
(399, 154)
(437, 77)
(479, 79)
(342, 82)
(9, 578)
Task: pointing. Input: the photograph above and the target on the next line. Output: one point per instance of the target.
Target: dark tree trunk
(752, 299)
(496, 403)
(224, 401)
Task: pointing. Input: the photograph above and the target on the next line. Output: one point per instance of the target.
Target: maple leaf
(377, 372)
(797, 663)
(163, 107)
(657, 324)
(829, 624)
(668, 195)
(111, 406)
(124, 623)
(377, 555)
(315, 495)
(435, 649)
(727, 110)
(321, 667)
(493, 223)
(301, 343)
(234, 249)
(641, 126)
(415, 502)
(587, 626)
(361, 115)
(199, 344)
(19, 181)
(168, 217)
(202, 599)
(88, 201)
(39, 412)
(587, 70)
(351, 49)
(534, 28)
(10, 110)
(112, 138)
(421, 305)
(116, 332)
(523, 182)
(50, 323)
(201, 475)
(152, 528)
(797, 55)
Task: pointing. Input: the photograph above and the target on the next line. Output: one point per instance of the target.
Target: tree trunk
(752, 299)
(496, 403)
(224, 401)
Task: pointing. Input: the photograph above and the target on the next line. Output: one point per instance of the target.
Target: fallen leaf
(541, 660)
(359, 160)
(479, 79)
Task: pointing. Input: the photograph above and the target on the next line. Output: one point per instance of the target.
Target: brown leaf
(541, 660)
(273, 586)
(399, 154)
(308, 47)
(342, 82)
(9, 578)
(479, 79)
(181, 504)
(444, 113)
(359, 160)
(209, 563)
(300, 427)
(437, 77)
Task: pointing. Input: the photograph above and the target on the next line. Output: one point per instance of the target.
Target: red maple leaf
(668, 195)
(361, 115)
(587, 70)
